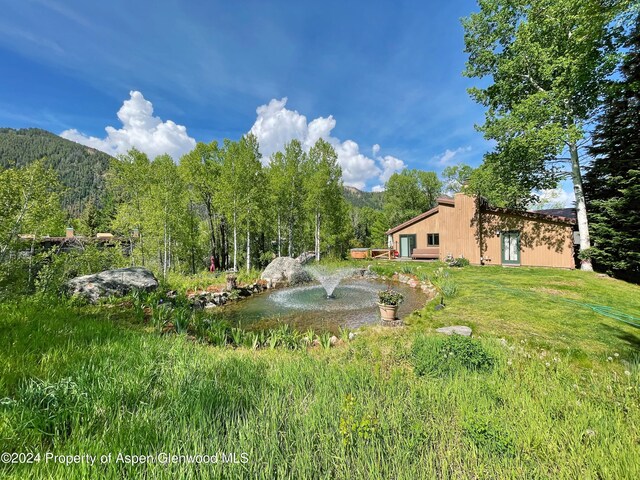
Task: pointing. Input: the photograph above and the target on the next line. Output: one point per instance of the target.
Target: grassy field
(550, 389)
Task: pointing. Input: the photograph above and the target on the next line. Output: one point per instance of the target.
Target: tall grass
(94, 380)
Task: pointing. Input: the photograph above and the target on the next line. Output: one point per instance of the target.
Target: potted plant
(388, 302)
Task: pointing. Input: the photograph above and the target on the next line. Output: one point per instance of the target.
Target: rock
(305, 257)
(232, 282)
(333, 340)
(210, 306)
(285, 271)
(413, 283)
(116, 282)
(456, 329)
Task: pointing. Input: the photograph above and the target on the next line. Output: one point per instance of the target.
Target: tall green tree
(165, 208)
(293, 190)
(278, 193)
(324, 198)
(242, 184)
(29, 204)
(455, 177)
(548, 61)
(409, 193)
(612, 184)
(201, 171)
(128, 181)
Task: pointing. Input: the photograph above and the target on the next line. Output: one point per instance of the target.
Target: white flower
(627, 373)
(616, 354)
(547, 364)
(609, 359)
(509, 362)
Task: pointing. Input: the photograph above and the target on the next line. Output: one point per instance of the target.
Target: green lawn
(561, 401)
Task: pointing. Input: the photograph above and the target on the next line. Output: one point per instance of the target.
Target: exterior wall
(463, 232)
(420, 229)
(543, 243)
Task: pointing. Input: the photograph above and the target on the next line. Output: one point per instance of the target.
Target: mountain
(81, 169)
(358, 198)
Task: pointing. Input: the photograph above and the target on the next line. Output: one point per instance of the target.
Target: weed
(437, 356)
(487, 435)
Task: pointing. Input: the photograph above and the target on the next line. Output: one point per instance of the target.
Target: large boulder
(285, 271)
(116, 282)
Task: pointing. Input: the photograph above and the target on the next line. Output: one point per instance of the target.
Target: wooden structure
(431, 253)
(387, 253)
(468, 227)
(359, 253)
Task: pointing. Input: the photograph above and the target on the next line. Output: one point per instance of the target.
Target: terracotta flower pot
(388, 312)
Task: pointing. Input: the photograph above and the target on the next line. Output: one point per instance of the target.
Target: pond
(354, 304)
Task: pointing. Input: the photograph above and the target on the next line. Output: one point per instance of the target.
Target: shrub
(458, 262)
(437, 356)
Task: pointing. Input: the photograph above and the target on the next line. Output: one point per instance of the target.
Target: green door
(510, 243)
(407, 244)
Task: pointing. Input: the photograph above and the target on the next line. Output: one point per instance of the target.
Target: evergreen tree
(613, 182)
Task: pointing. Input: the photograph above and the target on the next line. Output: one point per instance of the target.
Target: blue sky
(382, 78)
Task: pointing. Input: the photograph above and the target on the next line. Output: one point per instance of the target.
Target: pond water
(354, 304)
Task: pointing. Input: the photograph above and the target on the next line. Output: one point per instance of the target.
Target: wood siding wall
(543, 243)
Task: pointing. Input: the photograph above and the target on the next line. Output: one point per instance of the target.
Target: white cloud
(390, 166)
(448, 155)
(276, 125)
(141, 130)
(554, 198)
(378, 188)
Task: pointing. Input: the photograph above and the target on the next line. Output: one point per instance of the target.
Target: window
(433, 239)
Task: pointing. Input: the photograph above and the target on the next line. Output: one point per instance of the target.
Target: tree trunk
(290, 238)
(317, 245)
(279, 235)
(164, 261)
(581, 206)
(235, 244)
(224, 243)
(248, 249)
(141, 245)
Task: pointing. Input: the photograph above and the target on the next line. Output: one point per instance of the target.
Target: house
(469, 227)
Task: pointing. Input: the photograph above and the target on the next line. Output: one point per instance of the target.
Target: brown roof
(530, 214)
(569, 213)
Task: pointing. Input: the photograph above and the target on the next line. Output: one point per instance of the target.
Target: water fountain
(353, 303)
(328, 278)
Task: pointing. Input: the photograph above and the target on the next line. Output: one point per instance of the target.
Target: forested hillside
(81, 169)
(358, 198)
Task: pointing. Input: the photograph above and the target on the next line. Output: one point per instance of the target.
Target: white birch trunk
(317, 237)
(581, 206)
(248, 249)
(279, 235)
(290, 239)
(235, 244)
(164, 262)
